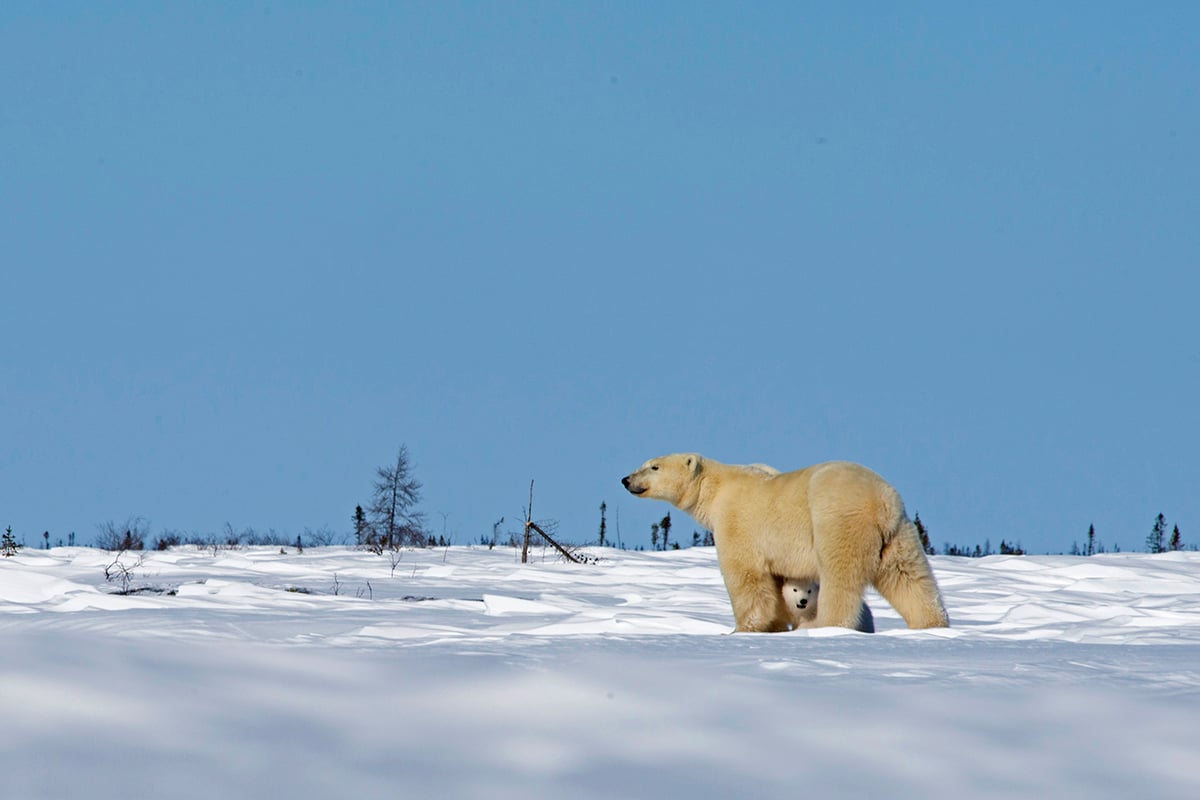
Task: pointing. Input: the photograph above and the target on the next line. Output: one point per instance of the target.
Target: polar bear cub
(801, 600)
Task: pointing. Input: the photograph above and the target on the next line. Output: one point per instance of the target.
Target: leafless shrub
(117, 537)
(323, 536)
(166, 540)
(121, 572)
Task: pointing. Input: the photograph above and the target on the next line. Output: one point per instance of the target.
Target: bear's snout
(627, 482)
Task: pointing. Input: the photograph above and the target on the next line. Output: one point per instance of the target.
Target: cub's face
(666, 478)
(800, 595)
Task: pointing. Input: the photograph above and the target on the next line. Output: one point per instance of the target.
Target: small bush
(168, 540)
(130, 536)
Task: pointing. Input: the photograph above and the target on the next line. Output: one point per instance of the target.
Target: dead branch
(566, 553)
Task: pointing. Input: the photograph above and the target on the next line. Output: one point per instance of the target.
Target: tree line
(389, 520)
(1156, 542)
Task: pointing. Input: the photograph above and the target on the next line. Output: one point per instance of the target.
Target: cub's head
(801, 595)
(668, 478)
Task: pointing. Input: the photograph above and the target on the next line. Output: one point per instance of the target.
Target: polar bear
(837, 523)
(800, 597)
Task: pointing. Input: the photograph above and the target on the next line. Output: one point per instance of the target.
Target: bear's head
(800, 595)
(671, 478)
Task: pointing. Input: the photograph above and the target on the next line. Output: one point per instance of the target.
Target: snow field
(466, 674)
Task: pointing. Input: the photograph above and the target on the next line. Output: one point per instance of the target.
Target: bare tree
(393, 520)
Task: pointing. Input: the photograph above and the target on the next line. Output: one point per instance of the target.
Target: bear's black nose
(625, 481)
(803, 603)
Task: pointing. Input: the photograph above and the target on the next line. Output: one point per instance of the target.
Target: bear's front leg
(758, 605)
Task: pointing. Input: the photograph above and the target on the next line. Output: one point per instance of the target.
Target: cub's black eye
(654, 468)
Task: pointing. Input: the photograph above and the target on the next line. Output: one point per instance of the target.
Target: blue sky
(250, 249)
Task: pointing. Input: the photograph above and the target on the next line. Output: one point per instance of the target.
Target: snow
(463, 673)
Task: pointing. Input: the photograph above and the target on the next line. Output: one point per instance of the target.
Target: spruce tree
(1091, 544)
(362, 529)
(603, 524)
(8, 546)
(665, 527)
(924, 535)
(1176, 543)
(1155, 542)
(1007, 549)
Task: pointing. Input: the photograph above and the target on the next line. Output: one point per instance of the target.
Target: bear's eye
(654, 468)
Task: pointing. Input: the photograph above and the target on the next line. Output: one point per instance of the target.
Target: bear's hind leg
(846, 561)
(840, 604)
(905, 580)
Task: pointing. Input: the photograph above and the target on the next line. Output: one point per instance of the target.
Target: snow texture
(465, 674)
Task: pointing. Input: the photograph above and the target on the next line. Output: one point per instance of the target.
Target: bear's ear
(693, 463)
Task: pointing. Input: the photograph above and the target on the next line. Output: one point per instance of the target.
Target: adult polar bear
(837, 523)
